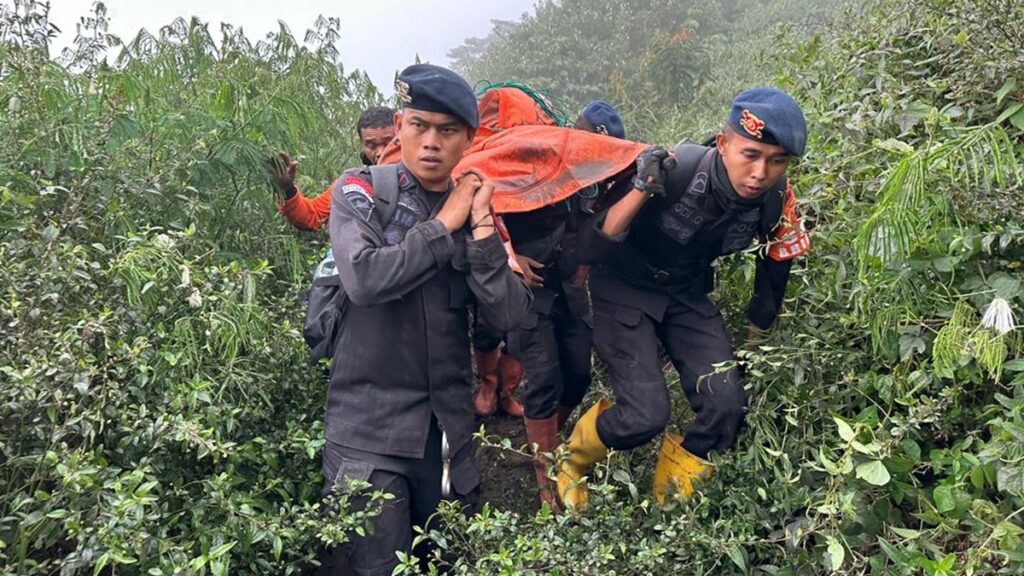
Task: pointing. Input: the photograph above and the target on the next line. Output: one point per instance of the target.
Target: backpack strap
(385, 191)
(688, 155)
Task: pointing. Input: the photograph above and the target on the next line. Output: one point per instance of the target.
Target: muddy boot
(485, 399)
(542, 433)
(511, 373)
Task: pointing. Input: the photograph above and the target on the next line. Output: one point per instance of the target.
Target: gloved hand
(651, 165)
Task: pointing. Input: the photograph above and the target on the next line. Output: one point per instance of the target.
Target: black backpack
(326, 300)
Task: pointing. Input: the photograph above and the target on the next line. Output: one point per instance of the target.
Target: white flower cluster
(999, 316)
(164, 241)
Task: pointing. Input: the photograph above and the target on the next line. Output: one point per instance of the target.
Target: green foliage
(147, 286)
(538, 50)
(660, 63)
(884, 432)
(158, 414)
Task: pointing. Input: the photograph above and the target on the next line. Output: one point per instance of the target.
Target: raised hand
(282, 173)
(650, 170)
(481, 218)
(482, 198)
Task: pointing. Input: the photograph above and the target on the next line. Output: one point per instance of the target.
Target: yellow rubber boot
(583, 449)
(677, 469)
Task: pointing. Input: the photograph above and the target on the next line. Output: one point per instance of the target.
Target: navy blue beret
(600, 113)
(434, 89)
(771, 116)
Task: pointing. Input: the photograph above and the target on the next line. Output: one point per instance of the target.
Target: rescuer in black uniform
(652, 252)
(399, 407)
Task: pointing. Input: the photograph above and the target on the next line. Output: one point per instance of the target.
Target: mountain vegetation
(158, 413)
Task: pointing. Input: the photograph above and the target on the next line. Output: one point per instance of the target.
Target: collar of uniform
(406, 180)
(726, 196)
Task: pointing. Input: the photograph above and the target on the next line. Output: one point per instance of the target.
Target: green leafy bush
(884, 432)
(158, 414)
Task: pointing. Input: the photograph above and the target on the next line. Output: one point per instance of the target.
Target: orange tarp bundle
(535, 166)
(532, 161)
(507, 107)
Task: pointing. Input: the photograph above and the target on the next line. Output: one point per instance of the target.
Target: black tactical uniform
(650, 281)
(555, 339)
(401, 372)
(650, 285)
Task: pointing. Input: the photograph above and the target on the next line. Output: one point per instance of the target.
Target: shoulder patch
(357, 184)
(790, 238)
(358, 192)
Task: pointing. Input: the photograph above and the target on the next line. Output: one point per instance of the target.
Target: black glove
(650, 170)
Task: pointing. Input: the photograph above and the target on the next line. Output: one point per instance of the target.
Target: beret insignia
(752, 124)
(402, 90)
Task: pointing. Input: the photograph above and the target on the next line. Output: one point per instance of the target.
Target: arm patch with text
(358, 192)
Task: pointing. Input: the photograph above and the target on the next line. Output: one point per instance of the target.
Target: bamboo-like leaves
(914, 198)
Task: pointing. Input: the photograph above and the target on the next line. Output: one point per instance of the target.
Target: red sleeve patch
(357, 184)
(790, 238)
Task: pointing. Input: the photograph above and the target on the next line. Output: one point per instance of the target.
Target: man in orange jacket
(375, 129)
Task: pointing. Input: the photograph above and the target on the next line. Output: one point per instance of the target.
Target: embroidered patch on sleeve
(790, 238)
(356, 184)
(359, 194)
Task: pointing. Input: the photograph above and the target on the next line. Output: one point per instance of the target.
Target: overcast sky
(378, 36)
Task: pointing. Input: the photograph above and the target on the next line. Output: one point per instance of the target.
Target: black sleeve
(770, 281)
(596, 246)
(501, 297)
(372, 272)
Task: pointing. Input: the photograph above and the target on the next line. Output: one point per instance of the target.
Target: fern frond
(914, 198)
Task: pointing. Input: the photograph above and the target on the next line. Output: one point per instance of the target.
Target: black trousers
(415, 484)
(693, 334)
(555, 351)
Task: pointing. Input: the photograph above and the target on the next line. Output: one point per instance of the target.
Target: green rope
(544, 102)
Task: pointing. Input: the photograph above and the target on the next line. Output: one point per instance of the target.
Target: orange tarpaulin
(506, 107)
(535, 166)
(532, 161)
(531, 166)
